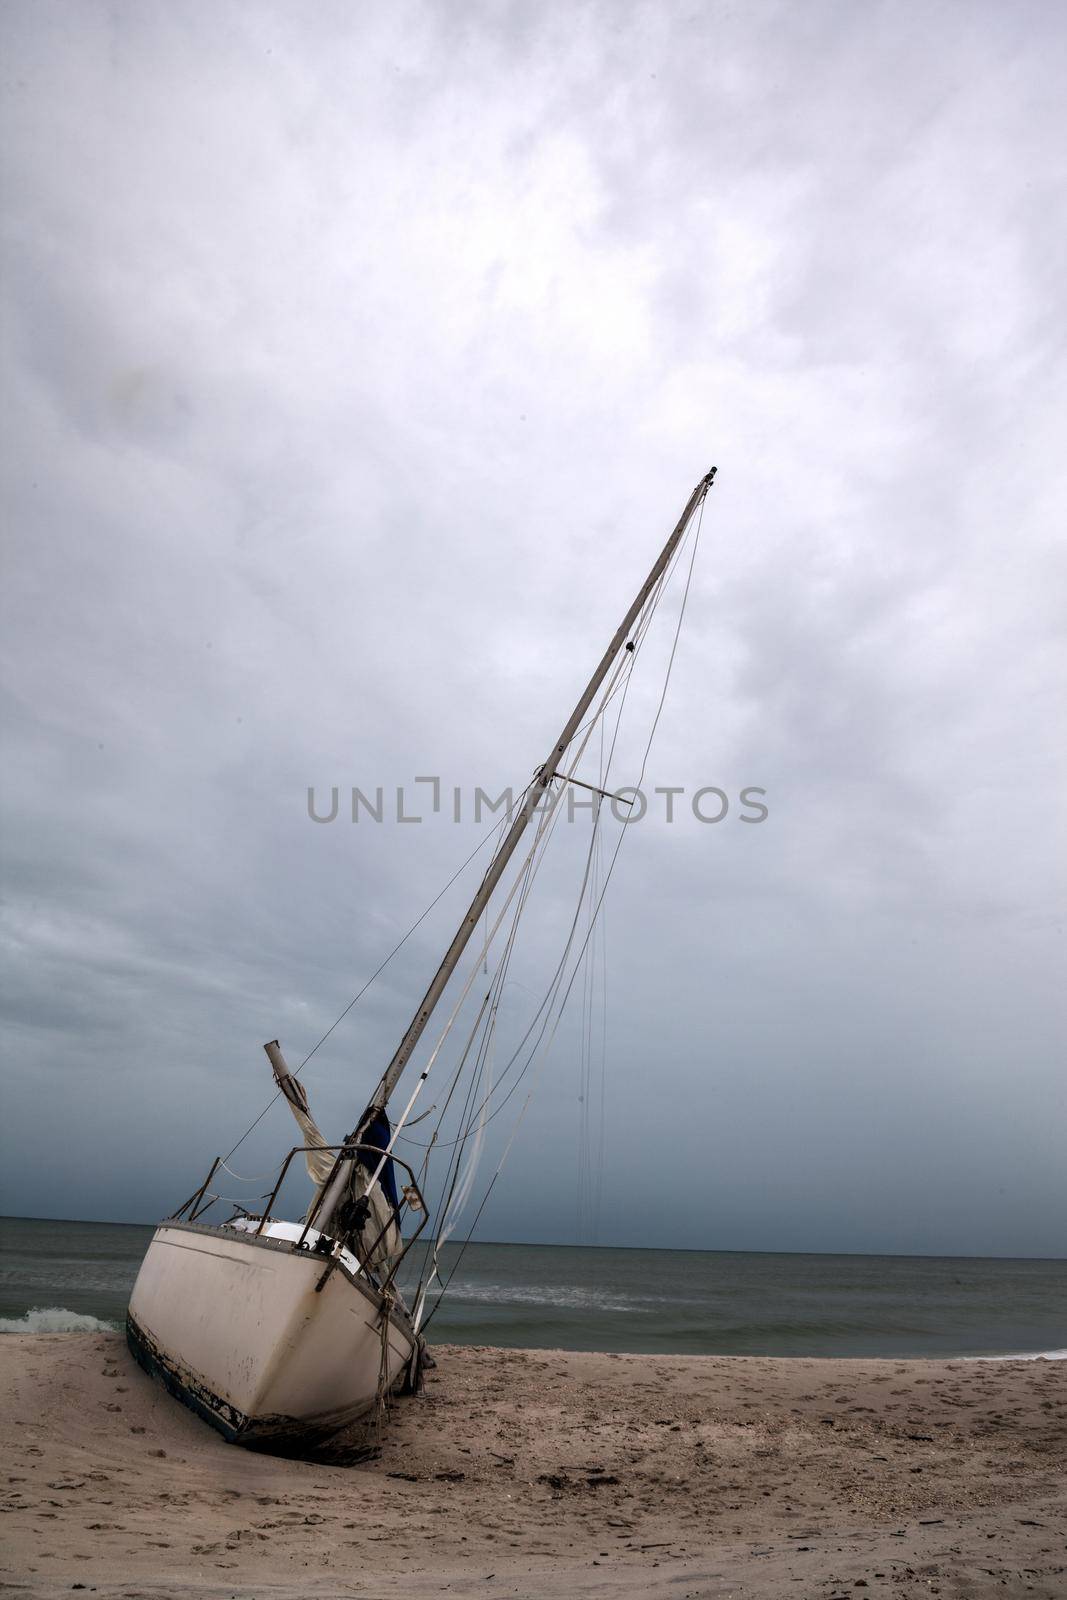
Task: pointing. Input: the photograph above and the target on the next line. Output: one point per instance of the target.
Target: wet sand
(541, 1474)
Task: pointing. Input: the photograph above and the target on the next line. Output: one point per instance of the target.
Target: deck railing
(411, 1203)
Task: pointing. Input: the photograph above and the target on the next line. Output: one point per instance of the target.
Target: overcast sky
(356, 362)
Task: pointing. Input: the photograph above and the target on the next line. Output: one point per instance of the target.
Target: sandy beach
(540, 1473)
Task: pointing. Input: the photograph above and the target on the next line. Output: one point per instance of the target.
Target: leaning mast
(544, 777)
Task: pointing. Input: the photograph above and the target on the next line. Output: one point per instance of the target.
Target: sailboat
(280, 1334)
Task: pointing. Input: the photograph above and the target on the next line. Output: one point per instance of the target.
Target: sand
(542, 1474)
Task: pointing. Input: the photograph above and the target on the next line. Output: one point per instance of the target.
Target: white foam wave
(55, 1319)
(1031, 1355)
(571, 1299)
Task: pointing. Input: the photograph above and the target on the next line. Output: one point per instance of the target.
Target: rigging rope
(549, 997)
(594, 913)
(451, 1202)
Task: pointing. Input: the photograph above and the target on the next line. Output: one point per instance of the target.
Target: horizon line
(667, 1249)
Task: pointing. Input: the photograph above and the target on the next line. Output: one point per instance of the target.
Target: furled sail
(319, 1162)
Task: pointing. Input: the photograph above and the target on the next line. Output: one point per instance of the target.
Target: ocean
(60, 1277)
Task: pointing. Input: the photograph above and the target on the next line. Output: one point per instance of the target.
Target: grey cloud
(354, 368)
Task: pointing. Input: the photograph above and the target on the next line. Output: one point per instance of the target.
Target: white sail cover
(319, 1162)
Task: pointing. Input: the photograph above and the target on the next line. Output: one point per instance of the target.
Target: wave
(576, 1298)
(55, 1319)
(1030, 1355)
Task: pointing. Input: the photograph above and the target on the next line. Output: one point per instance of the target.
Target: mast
(544, 777)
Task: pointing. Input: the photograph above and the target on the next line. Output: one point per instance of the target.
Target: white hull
(236, 1327)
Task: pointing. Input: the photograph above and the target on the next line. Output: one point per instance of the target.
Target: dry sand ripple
(541, 1473)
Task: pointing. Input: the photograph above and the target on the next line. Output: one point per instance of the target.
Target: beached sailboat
(281, 1333)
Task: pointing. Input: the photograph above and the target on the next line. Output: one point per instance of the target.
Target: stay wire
(670, 664)
(600, 901)
(475, 1121)
(595, 913)
(548, 1001)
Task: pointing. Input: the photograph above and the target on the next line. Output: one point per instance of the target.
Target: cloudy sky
(356, 361)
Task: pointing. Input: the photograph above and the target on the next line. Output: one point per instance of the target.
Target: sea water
(76, 1276)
